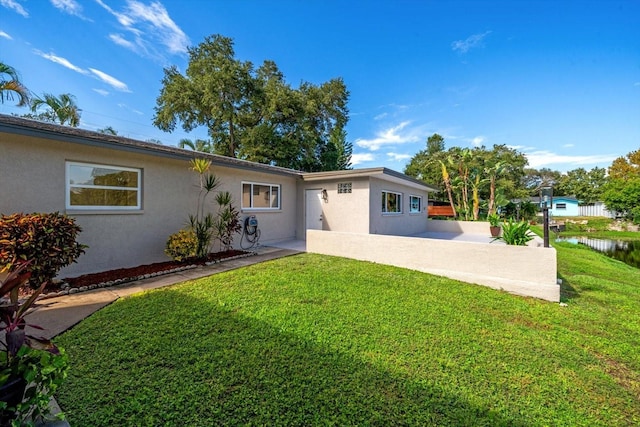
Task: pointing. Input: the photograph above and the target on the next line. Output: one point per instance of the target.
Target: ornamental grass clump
(515, 233)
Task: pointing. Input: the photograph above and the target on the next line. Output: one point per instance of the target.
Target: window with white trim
(260, 196)
(391, 202)
(344, 187)
(561, 206)
(415, 204)
(102, 187)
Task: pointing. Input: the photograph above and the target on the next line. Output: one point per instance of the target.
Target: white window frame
(69, 186)
(385, 193)
(411, 198)
(265, 184)
(561, 206)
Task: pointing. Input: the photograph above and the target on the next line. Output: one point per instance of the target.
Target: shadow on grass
(201, 364)
(567, 291)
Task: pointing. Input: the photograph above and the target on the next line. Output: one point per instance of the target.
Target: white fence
(595, 209)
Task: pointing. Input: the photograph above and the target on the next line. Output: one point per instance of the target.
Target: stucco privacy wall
(32, 176)
(469, 227)
(521, 270)
(399, 224)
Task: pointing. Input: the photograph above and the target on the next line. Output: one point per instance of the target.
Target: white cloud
(357, 159)
(148, 25)
(71, 7)
(543, 158)
(568, 145)
(126, 107)
(381, 116)
(17, 7)
(478, 141)
(463, 46)
(111, 81)
(390, 136)
(397, 157)
(61, 61)
(101, 92)
(5, 35)
(104, 77)
(120, 40)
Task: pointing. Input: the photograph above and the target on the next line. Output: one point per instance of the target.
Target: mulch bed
(135, 272)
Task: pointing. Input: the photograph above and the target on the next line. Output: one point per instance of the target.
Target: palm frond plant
(203, 223)
(227, 223)
(515, 233)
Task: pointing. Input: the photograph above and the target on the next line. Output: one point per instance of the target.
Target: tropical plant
(33, 367)
(447, 183)
(182, 245)
(197, 145)
(49, 240)
(203, 223)
(61, 109)
(494, 220)
(515, 233)
(11, 86)
(227, 222)
(109, 130)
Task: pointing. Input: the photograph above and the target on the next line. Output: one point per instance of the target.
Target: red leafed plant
(48, 239)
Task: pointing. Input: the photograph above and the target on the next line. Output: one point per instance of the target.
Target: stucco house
(129, 196)
(561, 205)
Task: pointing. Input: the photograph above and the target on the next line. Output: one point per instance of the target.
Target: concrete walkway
(62, 313)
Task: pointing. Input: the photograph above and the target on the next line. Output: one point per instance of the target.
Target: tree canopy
(471, 179)
(622, 191)
(254, 114)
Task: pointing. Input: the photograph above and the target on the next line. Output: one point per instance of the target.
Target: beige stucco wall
(522, 270)
(403, 224)
(32, 179)
(340, 212)
(470, 227)
(274, 225)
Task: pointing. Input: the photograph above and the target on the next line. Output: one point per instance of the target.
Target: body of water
(627, 251)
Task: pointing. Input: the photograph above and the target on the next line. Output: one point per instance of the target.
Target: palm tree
(109, 130)
(199, 145)
(11, 85)
(63, 108)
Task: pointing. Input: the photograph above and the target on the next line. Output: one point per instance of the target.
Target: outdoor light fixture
(546, 196)
(546, 201)
(325, 196)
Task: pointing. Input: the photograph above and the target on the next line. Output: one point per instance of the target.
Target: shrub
(515, 233)
(227, 222)
(182, 245)
(31, 368)
(48, 239)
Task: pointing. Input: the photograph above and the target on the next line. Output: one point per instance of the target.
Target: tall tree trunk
(447, 184)
(492, 195)
(232, 138)
(476, 198)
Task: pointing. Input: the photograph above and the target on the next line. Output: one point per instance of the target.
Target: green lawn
(317, 340)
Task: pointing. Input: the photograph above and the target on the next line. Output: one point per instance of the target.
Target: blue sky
(557, 80)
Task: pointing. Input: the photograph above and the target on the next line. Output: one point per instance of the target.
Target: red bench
(441, 211)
